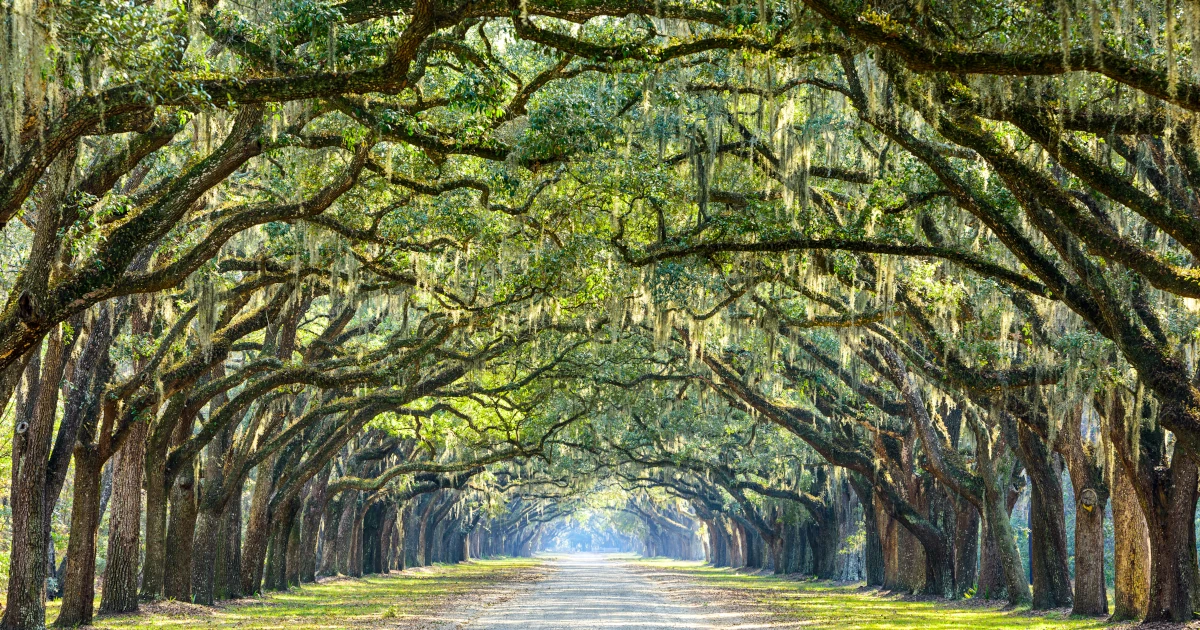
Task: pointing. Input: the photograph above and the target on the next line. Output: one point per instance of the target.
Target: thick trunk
(1131, 554)
(1091, 491)
(1047, 527)
(412, 523)
(258, 530)
(345, 533)
(26, 603)
(966, 546)
(778, 557)
(36, 410)
(872, 546)
(26, 587)
(274, 576)
(271, 566)
(1172, 549)
(292, 572)
(372, 539)
(310, 526)
(209, 526)
(208, 542)
(904, 556)
(423, 531)
(79, 585)
(356, 546)
(1091, 597)
(386, 538)
(228, 578)
(991, 574)
(181, 532)
(939, 567)
(992, 581)
(824, 542)
(998, 501)
(120, 592)
(281, 531)
(1007, 556)
(154, 566)
(329, 538)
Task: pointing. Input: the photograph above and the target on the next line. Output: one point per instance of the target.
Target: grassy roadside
(823, 605)
(409, 599)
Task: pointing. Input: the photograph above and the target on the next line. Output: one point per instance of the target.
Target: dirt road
(587, 591)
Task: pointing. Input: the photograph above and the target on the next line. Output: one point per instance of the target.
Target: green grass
(344, 603)
(824, 605)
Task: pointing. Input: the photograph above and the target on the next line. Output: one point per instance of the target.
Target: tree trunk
(966, 546)
(329, 538)
(356, 546)
(345, 532)
(939, 568)
(1091, 491)
(1091, 597)
(228, 578)
(79, 587)
(1131, 557)
(258, 530)
(36, 411)
(120, 592)
(310, 527)
(26, 603)
(1047, 528)
(180, 537)
(1171, 519)
(292, 557)
(873, 546)
(992, 580)
(209, 526)
(157, 488)
(998, 471)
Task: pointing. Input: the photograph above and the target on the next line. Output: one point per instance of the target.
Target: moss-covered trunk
(79, 587)
(181, 530)
(120, 592)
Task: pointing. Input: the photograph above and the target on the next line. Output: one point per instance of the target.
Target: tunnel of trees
(891, 290)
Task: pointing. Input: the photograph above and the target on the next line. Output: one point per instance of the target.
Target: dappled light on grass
(791, 603)
(412, 597)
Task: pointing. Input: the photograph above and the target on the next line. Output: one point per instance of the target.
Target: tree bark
(329, 538)
(209, 526)
(1172, 548)
(120, 592)
(1091, 597)
(258, 530)
(79, 586)
(229, 556)
(1047, 527)
(26, 603)
(310, 527)
(292, 557)
(180, 537)
(1131, 555)
(345, 533)
(156, 484)
(966, 546)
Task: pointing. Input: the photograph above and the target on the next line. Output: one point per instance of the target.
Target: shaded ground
(586, 592)
(789, 603)
(415, 599)
(590, 591)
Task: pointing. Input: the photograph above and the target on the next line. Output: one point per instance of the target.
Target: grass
(343, 603)
(825, 605)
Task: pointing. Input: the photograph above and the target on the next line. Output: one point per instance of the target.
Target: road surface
(586, 591)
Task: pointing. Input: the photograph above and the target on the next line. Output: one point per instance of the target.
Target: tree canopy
(430, 279)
